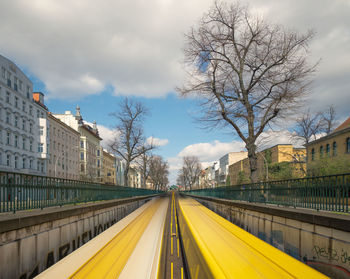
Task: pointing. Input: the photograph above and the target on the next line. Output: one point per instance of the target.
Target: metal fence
(22, 192)
(329, 193)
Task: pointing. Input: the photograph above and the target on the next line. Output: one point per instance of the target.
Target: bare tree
(190, 171)
(144, 166)
(308, 126)
(329, 119)
(248, 72)
(130, 143)
(158, 172)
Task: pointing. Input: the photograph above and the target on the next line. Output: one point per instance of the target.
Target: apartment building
(271, 163)
(90, 154)
(227, 160)
(23, 123)
(108, 168)
(63, 149)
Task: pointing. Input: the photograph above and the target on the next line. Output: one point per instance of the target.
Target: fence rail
(329, 193)
(22, 192)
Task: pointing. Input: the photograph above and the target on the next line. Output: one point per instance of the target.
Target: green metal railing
(329, 193)
(23, 192)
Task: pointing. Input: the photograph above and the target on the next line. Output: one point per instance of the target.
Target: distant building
(23, 123)
(293, 159)
(90, 154)
(64, 150)
(109, 168)
(134, 177)
(227, 160)
(334, 146)
(120, 168)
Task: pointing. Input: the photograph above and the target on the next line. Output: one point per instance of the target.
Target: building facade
(108, 168)
(63, 149)
(273, 163)
(90, 154)
(23, 123)
(332, 150)
(224, 163)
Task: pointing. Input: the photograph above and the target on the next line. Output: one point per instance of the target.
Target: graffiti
(69, 247)
(332, 254)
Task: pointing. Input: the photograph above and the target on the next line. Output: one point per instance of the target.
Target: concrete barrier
(319, 239)
(32, 241)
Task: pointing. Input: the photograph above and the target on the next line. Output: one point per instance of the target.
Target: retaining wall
(32, 241)
(319, 239)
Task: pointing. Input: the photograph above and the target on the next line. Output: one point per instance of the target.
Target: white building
(227, 160)
(23, 124)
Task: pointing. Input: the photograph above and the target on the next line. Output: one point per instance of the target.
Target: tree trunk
(253, 162)
(126, 177)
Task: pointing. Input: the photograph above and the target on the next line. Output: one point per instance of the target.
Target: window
(82, 167)
(16, 141)
(8, 79)
(30, 145)
(8, 94)
(37, 113)
(24, 163)
(3, 72)
(321, 151)
(20, 85)
(16, 102)
(28, 92)
(31, 164)
(16, 121)
(8, 138)
(82, 156)
(98, 152)
(31, 110)
(24, 125)
(312, 154)
(15, 82)
(30, 128)
(40, 147)
(98, 163)
(24, 106)
(8, 160)
(334, 149)
(8, 118)
(348, 145)
(24, 144)
(16, 162)
(41, 131)
(328, 149)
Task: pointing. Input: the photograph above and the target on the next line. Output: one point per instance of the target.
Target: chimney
(94, 127)
(38, 97)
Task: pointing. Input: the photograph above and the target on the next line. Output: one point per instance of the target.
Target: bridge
(53, 228)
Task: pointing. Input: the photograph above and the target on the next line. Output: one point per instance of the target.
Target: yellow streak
(110, 260)
(171, 239)
(182, 273)
(172, 270)
(178, 252)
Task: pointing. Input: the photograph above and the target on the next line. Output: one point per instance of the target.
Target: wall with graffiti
(26, 252)
(325, 249)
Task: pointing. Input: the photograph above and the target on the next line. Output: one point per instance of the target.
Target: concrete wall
(30, 242)
(321, 240)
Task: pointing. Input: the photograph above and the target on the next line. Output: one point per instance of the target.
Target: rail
(22, 192)
(330, 193)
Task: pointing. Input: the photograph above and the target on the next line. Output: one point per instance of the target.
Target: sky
(93, 55)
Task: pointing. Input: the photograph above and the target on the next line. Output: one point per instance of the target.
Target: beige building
(90, 152)
(63, 150)
(273, 163)
(332, 149)
(134, 177)
(108, 168)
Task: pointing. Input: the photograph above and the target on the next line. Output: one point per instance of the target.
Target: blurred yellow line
(171, 239)
(172, 270)
(182, 273)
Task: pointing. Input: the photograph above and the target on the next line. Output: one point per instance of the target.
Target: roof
(344, 125)
(89, 129)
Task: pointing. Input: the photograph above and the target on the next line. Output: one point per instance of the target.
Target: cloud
(107, 134)
(157, 141)
(79, 48)
(207, 153)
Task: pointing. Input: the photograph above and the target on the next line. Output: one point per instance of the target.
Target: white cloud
(107, 134)
(207, 153)
(157, 141)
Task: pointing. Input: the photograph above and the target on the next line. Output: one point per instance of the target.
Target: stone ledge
(26, 218)
(320, 218)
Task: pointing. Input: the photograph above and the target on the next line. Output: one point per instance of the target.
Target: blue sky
(80, 53)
